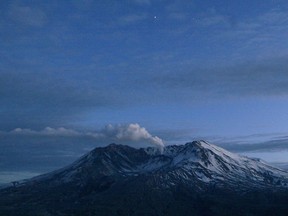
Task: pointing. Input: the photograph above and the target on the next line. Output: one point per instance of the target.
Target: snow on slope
(192, 163)
(210, 163)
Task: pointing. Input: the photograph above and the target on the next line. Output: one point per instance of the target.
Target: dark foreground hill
(197, 178)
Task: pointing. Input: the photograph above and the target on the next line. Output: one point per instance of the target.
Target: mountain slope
(109, 180)
(209, 163)
(196, 161)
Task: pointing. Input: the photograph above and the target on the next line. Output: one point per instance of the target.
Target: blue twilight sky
(184, 70)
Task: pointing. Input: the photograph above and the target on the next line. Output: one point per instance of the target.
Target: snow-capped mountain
(212, 164)
(197, 162)
(115, 172)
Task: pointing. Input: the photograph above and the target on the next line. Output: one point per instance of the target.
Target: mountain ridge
(195, 171)
(199, 158)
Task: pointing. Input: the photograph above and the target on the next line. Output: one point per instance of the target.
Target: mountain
(197, 178)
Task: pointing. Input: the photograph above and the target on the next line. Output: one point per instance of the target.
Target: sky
(79, 74)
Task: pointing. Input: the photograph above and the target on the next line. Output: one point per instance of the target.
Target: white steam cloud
(131, 132)
(116, 133)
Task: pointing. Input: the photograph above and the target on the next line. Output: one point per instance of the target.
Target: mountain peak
(198, 161)
(198, 144)
(118, 171)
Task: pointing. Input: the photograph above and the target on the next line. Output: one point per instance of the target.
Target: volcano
(197, 178)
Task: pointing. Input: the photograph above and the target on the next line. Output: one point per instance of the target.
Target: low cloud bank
(48, 131)
(132, 132)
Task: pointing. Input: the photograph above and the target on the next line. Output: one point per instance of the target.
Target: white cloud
(60, 131)
(115, 133)
(46, 131)
(22, 131)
